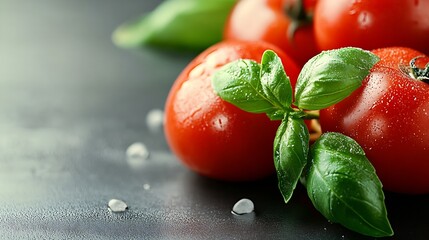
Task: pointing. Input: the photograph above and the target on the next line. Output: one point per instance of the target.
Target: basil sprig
(340, 180)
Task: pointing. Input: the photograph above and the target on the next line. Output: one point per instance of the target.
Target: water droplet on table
(137, 154)
(243, 206)
(137, 150)
(155, 120)
(116, 205)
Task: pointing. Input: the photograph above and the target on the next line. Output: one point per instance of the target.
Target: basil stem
(343, 186)
(178, 24)
(331, 76)
(290, 153)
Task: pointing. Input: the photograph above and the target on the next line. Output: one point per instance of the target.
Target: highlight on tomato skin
(213, 137)
(388, 116)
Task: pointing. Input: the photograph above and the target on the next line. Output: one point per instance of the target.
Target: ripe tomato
(272, 21)
(211, 136)
(372, 24)
(389, 116)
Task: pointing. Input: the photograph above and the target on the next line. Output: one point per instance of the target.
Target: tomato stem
(421, 74)
(299, 17)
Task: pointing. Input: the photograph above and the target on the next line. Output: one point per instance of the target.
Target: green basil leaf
(277, 114)
(275, 83)
(291, 146)
(331, 76)
(343, 186)
(239, 83)
(177, 24)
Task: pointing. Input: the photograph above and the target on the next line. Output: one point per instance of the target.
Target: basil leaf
(177, 24)
(239, 83)
(256, 88)
(343, 186)
(290, 154)
(275, 83)
(331, 76)
(276, 115)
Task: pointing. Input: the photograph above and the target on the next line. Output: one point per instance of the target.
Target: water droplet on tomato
(220, 122)
(364, 19)
(116, 205)
(352, 11)
(243, 206)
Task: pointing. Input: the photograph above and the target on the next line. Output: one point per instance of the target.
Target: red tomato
(389, 117)
(211, 136)
(267, 20)
(372, 24)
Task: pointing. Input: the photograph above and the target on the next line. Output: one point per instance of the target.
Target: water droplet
(146, 186)
(137, 154)
(116, 205)
(155, 120)
(137, 150)
(243, 206)
(364, 19)
(220, 122)
(352, 11)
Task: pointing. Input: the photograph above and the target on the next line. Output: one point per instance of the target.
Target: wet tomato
(389, 116)
(372, 24)
(285, 23)
(211, 136)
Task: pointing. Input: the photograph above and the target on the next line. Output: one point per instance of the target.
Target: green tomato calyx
(299, 17)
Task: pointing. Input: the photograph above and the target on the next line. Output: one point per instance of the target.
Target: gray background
(71, 103)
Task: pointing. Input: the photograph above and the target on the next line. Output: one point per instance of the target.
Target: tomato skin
(211, 136)
(372, 24)
(266, 20)
(388, 117)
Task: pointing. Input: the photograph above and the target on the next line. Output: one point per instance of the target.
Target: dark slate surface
(71, 103)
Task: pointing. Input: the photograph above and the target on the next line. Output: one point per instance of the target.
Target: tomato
(372, 24)
(389, 116)
(211, 136)
(268, 20)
